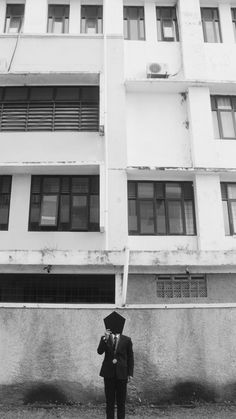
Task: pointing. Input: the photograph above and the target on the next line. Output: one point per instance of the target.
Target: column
(209, 212)
(226, 24)
(191, 37)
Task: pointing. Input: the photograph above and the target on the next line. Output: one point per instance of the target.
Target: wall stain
(45, 393)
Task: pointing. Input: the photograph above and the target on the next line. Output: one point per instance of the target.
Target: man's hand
(107, 334)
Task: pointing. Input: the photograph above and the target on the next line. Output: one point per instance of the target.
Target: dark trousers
(115, 391)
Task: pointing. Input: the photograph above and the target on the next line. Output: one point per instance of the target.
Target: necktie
(114, 343)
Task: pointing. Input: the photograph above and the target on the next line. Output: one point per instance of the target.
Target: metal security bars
(52, 108)
(64, 203)
(181, 286)
(57, 289)
(223, 112)
(5, 195)
(161, 208)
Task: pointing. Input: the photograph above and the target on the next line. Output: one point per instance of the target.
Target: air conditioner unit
(157, 70)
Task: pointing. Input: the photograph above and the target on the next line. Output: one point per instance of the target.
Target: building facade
(117, 191)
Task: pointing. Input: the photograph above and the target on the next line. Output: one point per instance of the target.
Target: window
(181, 286)
(233, 13)
(134, 23)
(167, 26)
(5, 194)
(56, 289)
(91, 19)
(228, 193)
(14, 18)
(49, 108)
(64, 203)
(211, 24)
(58, 19)
(223, 113)
(163, 208)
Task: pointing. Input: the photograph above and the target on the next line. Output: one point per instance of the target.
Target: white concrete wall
(156, 130)
(32, 147)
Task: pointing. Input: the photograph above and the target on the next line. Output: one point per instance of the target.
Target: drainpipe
(125, 277)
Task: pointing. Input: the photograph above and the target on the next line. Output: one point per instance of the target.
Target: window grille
(60, 108)
(134, 28)
(64, 203)
(211, 24)
(161, 208)
(91, 19)
(223, 113)
(181, 286)
(167, 26)
(58, 18)
(228, 194)
(5, 195)
(56, 289)
(14, 18)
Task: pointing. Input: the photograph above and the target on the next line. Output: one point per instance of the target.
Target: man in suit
(117, 370)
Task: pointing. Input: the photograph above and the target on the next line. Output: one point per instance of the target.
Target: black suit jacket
(124, 355)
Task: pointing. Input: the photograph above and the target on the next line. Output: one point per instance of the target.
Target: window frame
(66, 16)
(233, 15)
(174, 21)
(154, 200)
(218, 111)
(56, 228)
(232, 232)
(126, 17)
(9, 15)
(215, 22)
(5, 227)
(85, 18)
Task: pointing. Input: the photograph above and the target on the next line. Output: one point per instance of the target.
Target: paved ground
(206, 411)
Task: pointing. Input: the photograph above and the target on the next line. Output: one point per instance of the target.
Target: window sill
(52, 35)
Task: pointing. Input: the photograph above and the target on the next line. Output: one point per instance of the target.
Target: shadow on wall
(45, 393)
(148, 386)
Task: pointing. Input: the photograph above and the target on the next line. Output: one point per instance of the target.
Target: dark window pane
(231, 190)
(189, 217)
(233, 213)
(145, 190)
(146, 217)
(131, 189)
(226, 217)
(188, 190)
(94, 209)
(5, 184)
(175, 217)
(67, 93)
(133, 220)
(80, 185)
(227, 124)
(41, 93)
(35, 209)
(215, 125)
(173, 190)
(65, 209)
(224, 190)
(160, 190)
(51, 185)
(94, 185)
(16, 93)
(161, 217)
(79, 216)
(4, 209)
